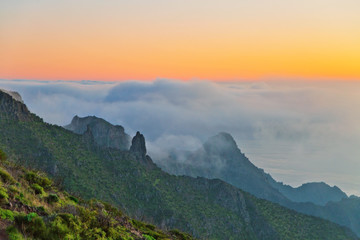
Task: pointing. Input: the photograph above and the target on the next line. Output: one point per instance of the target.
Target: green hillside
(208, 209)
(31, 207)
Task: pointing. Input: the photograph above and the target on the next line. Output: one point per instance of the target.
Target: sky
(298, 131)
(202, 39)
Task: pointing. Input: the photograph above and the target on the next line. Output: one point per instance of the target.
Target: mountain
(221, 158)
(12, 107)
(32, 207)
(15, 95)
(318, 193)
(105, 134)
(208, 209)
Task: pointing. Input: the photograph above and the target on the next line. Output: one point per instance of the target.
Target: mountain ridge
(319, 193)
(236, 169)
(227, 167)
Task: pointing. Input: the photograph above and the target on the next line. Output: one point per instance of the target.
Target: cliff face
(104, 133)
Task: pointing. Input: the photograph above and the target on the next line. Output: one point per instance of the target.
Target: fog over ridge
(298, 131)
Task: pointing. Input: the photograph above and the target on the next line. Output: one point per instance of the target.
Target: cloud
(165, 145)
(284, 127)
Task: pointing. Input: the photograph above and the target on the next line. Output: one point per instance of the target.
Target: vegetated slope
(32, 207)
(221, 158)
(209, 209)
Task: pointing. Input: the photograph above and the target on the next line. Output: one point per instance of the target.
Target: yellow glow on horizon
(201, 45)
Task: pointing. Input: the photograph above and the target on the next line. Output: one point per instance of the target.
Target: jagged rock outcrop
(12, 107)
(104, 133)
(138, 149)
(138, 145)
(15, 95)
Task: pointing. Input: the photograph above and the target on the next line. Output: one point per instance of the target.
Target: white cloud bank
(298, 131)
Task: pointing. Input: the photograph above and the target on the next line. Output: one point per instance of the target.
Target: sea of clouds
(298, 131)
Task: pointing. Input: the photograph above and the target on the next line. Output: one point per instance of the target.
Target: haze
(298, 131)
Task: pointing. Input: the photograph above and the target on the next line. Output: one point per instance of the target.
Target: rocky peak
(12, 106)
(15, 95)
(138, 149)
(105, 134)
(79, 124)
(220, 144)
(138, 145)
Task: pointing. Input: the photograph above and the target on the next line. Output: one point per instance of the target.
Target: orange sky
(216, 40)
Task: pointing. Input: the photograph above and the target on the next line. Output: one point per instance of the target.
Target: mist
(298, 131)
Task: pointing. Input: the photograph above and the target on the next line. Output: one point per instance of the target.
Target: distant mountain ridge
(209, 209)
(221, 158)
(318, 193)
